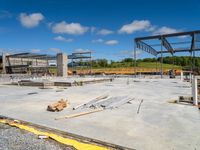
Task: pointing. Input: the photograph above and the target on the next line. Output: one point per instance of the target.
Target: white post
(195, 91)
(181, 75)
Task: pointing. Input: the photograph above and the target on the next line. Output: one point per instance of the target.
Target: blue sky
(107, 27)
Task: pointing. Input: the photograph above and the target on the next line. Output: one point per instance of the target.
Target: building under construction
(30, 63)
(158, 45)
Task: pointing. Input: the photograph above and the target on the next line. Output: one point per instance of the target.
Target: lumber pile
(58, 106)
(98, 104)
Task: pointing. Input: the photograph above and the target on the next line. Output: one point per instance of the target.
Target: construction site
(142, 110)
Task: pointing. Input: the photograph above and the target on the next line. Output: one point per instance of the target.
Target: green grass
(153, 65)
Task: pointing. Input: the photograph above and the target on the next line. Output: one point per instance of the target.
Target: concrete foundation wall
(61, 64)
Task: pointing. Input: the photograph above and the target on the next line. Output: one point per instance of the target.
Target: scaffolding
(158, 45)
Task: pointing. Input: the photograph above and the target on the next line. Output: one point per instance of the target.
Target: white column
(181, 75)
(195, 91)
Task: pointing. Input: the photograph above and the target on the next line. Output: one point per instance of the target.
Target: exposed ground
(124, 70)
(142, 67)
(12, 138)
(158, 125)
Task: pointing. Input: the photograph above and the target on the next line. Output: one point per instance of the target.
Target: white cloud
(80, 50)
(168, 30)
(32, 20)
(165, 30)
(111, 42)
(130, 53)
(105, 32)
(97, 41)
(151, 29)
(61, 38)
(136, 25)
(49, 24)
(55, 50)
(35, 50)
(93, 29)
(69, 28)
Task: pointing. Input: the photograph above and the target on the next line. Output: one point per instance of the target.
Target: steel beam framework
(30, 56)
(79, 56)
(141, 43)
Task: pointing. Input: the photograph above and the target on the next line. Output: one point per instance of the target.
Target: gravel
(12, 138)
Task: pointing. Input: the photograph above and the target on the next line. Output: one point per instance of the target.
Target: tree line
(183, 61)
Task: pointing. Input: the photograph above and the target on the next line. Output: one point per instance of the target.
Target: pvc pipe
(195, 91)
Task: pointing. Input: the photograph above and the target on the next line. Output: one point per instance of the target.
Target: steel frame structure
(141, 43)
(79, 56)
(22, 56)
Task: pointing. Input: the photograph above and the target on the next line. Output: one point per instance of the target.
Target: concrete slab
(159, 125)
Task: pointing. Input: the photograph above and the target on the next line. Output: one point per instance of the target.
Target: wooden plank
(79, 114)
(58, 106)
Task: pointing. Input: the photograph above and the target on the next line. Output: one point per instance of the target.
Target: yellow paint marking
(76, 144)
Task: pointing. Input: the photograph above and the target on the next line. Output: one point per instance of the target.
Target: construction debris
(43, 137)
(91, 102)
(113, 102)
(58, 106)
(31, 93)
(138, 110)
(185, 99)
(99, 105)
(59, 90)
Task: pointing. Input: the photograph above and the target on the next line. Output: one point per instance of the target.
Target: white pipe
(181, 75)
(195, 91)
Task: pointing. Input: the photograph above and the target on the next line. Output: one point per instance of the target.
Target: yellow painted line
(76, 144)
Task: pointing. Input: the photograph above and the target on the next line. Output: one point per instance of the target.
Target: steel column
(135, 59)
(161, 65)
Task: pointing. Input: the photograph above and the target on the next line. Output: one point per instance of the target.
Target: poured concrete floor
(159, 124)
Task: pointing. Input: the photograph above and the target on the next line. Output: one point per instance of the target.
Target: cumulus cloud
(136, 25)
(61, 38)
(165, 30)
(69, 28)
(49, 24)
(111, 42)
(130, 53)
(105, 32)
(97, 41)
(80, 50)
(55, 50)
(93, 29)
(31, 20)
(35, 50)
